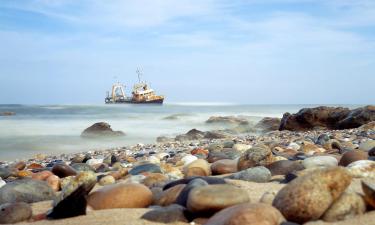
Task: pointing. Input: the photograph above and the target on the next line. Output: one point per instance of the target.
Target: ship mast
(139, 75)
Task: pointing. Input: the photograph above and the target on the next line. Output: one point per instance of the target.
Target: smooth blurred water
(56, 129)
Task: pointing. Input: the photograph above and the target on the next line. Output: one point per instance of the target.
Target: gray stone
(82, 167)
(14, 212)
(170, 214)
(259, 174)
(147, 167)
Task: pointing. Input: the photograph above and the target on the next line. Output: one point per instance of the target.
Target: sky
(235, 51)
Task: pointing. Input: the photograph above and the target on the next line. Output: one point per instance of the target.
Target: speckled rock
(352, 156)
(199, 167)
(106, 180)
(14, 212)
(320, 161)
(26, 190)
(362, 169)
(121, 196)
(212, 198)
(259, 155)
(259, 174)
(224, 166)
(308, 197)
(345, 207)
(247, 213)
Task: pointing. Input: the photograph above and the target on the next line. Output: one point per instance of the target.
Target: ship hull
(130, 101)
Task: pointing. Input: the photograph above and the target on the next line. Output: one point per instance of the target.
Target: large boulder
(101, 129)
(268, 124)
(327, 118)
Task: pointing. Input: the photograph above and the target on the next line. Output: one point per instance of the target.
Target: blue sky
(254, 51)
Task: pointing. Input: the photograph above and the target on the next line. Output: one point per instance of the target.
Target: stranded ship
(141, 94)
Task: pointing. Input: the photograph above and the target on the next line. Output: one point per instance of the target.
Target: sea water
(56, 129)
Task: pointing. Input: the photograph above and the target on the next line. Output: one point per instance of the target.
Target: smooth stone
(371, 152)
(170, 214)
(209, 180)
(92, 162)
(283, 167)
(106, 180)
(21, 165)
(2, 183)
(368, 188)
(322, 139)
(224, 166)
(42, 175)
(247, 214)
(308, 197)
(267, 197)
(241, 147)
(101, 168)
(199, 167)
(352, 156)
(294, 146)
(367, 145)
(14, 212)
(187, 159)
(155, 180)
(62, 170)
(170, 195)
(5, 173)
(121, 196)
(258, 155)
(362, 169)
(54, 182)
(259, 174)
(213, 198)
(320, 161)
(145, 168)
(26, 190)
(347, 206)
(184, 194)
(73, 183)
(82, 167)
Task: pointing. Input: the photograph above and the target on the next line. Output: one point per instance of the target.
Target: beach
(210, 165)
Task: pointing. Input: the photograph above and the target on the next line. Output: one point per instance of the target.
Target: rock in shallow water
(247, 213)
(26, 190)
(308, 197)
(259, 174)
(121, 196)
(14, 212)
(212, 198)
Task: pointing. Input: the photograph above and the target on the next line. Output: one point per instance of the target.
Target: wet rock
(352, 156)
(357, 117)
(259, 174)
(347, 206)
(308, 197)
(100, 129)
(367, 145)
(14, 212)
(213, 198)
(268, 124)
(362, 169)
(121, 196)
(107, 180)
(63, 170)
(224, 166)
(199, 167)
(145, 168)
(247, 213)
(170, 214)
(195, 134)
(227, 120)
(259, 155)
(320, 161)
(368, 188)
(283, 167)
(170, 195)
(184, 194)
(82, 167)
(26, 190)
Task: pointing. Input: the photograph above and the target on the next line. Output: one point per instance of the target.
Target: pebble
(26, 190)
(187, 159)
(184, 194)
(155, 180)
(170, 195)
(121, 196)
(308, 197)
(224, 166)
(283, 167)
(368, 188)
(2, 183)
(54, 182)
(145, 168)
(107, 180)
(92, 162)
(259, 155)
(247, 213)
(362, 169)
(241, 147)
(267, 197)
(42, 175)
(367, 145)
(14, 212)
(5, 173)
(74, 182)
(347, 206)
(320, 161)
(82, 167)
(212, 198)
(170, 214)
(199, 167)
(294, 146)
(259, 174)
(352, 156)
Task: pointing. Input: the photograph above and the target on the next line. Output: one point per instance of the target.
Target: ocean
(56, 129)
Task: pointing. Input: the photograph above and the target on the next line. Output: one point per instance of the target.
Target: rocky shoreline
(305, 174)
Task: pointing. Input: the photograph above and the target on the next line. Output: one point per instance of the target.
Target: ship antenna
(139, 75)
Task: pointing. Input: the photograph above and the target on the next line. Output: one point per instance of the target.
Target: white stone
(294, 146)
(2, 183)
(362, 169)
(241, 147)
(187, 159)
(320, 161)
(92, 162)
